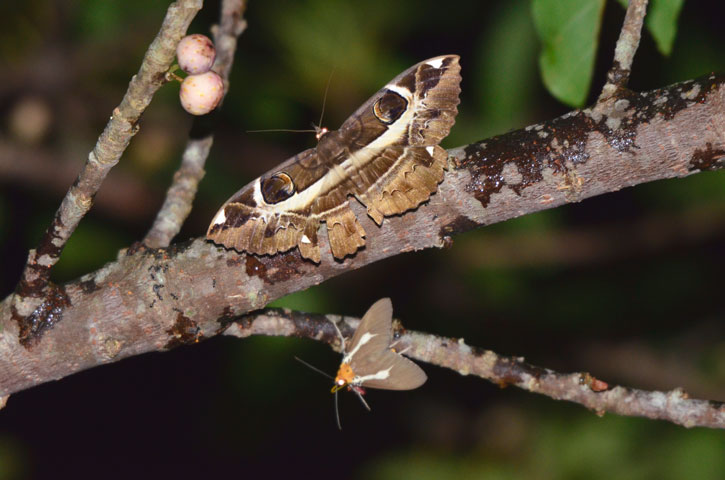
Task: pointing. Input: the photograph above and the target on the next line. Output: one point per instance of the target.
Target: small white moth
(369, 360)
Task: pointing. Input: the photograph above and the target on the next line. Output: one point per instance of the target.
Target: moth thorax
(345, 375)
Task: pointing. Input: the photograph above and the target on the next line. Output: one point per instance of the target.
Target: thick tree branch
(452, 353)
(181, 193)
(105, 155)
(155, 299)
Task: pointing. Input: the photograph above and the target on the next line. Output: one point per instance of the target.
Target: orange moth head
(344, 377)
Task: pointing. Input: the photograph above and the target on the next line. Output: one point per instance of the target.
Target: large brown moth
(386, 155)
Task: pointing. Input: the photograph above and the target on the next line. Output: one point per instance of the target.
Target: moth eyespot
(277, 188)
(341, 382)
(389, 107)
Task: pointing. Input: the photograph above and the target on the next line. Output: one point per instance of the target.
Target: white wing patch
(381, 375)
(366, 337)
(220, 217)
(436, 62)
(402, 91)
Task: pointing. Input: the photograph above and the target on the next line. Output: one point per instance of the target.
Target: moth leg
(339, 334)
(365, 404)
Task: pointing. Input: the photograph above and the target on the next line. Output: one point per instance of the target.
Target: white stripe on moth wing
(366, 337)
(402, 91)
(337, 173)
(257, 194)
(430, 150)
(381, 375)
(220, 217)
(436, 62)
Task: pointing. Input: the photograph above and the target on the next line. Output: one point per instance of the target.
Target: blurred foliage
(13, 461)
(569, 33)
(505, 62)
(311, 300)
(683, 193)
(243, 405)
(574, 446)
(661, 21)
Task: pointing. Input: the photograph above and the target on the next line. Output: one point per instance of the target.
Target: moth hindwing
(369, 360)
(386, 155)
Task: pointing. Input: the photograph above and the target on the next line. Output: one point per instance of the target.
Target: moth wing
(420, 104)
(404, 374)
(246, 225)
(399, 164)
(374, 333)
(372, 354)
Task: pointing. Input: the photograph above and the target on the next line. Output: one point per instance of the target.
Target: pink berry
(195, 54)
(200, 94)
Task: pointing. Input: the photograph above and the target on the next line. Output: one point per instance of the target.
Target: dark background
(628, 285)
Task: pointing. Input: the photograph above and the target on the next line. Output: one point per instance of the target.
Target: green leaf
(661, 21)
(569, 31)
(505, 65)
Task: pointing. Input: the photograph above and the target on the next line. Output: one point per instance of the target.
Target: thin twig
(627, 45)
(119, 130)
(182, 191)
(231, 26)
(674, 406)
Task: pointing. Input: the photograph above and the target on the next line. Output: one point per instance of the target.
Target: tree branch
(452, 353)
(155, 299)
(181, 193)
(104, 156)
(626, 47)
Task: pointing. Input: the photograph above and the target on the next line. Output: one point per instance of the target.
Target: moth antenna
(281, 130)
(365, 404)
(313, 368)
(339, 334)
(324, 98)
(337, 414)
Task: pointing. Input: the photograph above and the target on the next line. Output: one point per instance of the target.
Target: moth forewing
(374, 333)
